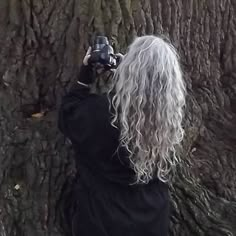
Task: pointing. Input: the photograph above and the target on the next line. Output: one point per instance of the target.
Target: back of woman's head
(148, 102)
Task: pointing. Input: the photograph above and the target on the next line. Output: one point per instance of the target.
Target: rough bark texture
(42, 43)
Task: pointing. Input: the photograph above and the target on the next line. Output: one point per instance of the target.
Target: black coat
(107, 202)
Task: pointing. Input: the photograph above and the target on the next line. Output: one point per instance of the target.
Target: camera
(103, 53)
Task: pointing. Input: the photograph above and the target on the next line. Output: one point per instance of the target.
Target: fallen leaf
(38, 115)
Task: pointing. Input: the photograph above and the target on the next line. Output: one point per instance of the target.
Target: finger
(86, 58)
(88, 51)
(119, 54)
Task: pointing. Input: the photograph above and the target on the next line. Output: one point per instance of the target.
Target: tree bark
(42, 44)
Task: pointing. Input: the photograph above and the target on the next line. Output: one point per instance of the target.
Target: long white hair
(148, 104)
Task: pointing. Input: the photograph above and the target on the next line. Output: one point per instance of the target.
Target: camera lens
(100, 42)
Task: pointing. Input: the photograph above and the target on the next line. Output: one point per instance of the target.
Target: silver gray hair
(148, 103)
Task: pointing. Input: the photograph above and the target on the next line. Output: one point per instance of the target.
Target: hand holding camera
(98, 59)
(101, 54)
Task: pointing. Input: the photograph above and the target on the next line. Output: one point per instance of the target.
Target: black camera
(103, 53)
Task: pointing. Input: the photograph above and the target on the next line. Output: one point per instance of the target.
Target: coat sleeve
(75, 106)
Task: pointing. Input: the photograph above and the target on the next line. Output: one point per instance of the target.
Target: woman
(125, 142)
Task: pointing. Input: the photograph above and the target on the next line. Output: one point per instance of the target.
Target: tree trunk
(42, 44)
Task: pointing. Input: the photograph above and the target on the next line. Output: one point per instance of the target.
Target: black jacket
(107, 201)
